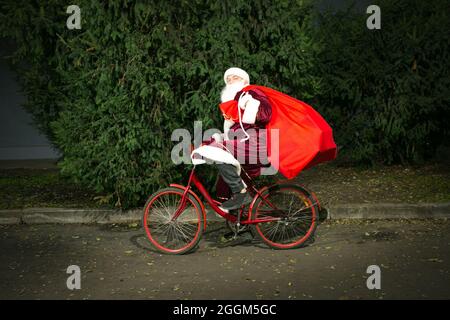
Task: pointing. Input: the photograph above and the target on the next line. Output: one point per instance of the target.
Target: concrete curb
(99, 216)
(80, 216)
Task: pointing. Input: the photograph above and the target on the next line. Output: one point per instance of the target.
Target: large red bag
(305, 138)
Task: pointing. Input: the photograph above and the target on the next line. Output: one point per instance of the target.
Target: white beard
(229, 91)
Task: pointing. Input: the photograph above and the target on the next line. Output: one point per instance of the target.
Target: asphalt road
(116, 263)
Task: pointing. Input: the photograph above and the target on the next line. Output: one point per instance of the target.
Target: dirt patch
(333, 184)
(395, 184)
(25, 188)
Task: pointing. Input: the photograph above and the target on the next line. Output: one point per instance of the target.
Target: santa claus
(243, 142)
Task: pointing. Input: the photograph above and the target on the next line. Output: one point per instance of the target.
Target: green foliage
(110, 95)
(386, 92)
(117, 88)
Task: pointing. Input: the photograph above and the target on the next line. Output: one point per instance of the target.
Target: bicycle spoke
(171, 234)
(294, 213)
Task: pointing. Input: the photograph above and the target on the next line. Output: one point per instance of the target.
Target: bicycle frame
(193, 179)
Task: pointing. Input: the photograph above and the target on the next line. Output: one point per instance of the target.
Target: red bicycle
(283, 215)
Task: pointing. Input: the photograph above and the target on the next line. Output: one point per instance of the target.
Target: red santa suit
(297, 137)
(243, 143)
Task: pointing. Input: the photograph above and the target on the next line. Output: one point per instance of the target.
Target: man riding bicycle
(246, 113)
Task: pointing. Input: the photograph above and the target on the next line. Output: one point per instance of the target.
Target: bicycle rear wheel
(295, 212)
(169, 236)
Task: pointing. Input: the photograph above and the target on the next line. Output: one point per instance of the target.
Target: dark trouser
(230, 176)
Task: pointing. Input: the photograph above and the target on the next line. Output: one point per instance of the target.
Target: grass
(25, 188)
(332, 183)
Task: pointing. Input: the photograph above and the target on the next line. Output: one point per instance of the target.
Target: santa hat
(237, 72)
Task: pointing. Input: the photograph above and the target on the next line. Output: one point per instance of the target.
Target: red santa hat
(236, 72)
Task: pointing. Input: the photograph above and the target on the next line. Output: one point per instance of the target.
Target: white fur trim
(237, 72)
(251, 110)
(215, 154)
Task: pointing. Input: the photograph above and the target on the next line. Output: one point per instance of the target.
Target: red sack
(305, 138)
(230, 110)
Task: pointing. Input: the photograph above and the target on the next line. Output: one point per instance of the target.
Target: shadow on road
(210, 239)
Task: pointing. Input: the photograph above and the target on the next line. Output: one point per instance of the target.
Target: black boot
(236, 201)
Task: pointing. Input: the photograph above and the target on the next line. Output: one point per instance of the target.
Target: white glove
(244, 99)
(217, 137)
(227, 124)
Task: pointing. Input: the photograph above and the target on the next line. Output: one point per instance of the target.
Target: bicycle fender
(312, 194)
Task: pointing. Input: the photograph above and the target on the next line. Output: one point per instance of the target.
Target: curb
(79, 216)
(62, 215)
(105, 216)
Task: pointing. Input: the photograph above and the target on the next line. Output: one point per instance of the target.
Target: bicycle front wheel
(293, 216)
(172, 236)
